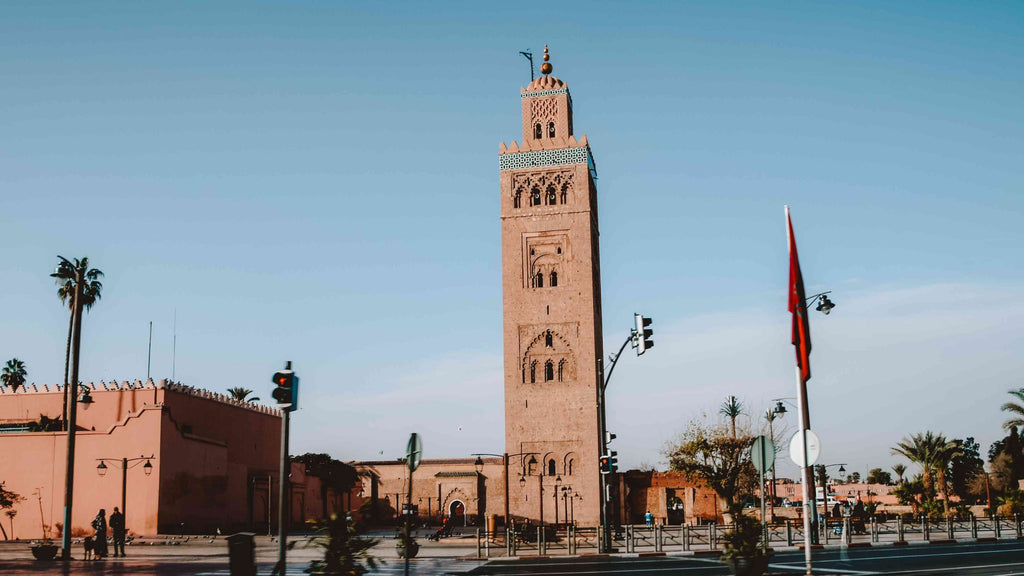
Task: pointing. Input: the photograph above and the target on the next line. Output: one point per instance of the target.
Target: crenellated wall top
(163, 384)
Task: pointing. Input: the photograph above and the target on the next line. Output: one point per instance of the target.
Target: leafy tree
(731, 409)
(333, 474)
(13, 374)
(944, 455)
(1016, 410)
(910, 493)
(242, 394)
(1012, 448)
(964, 468)
(92, 289)
(900, 470)
(7, 501)
(855, 477)
(879, 476)
(711, 454)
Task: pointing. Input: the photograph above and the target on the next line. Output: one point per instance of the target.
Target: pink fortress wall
(206, 447)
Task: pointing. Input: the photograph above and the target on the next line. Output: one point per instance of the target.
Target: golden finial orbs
(546, 67)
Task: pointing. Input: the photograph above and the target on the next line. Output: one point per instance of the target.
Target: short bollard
(899, 528)
(789, 532)
(1016, 524)
(995, 526)
(657, 537)
(685, 530)
(925, 528)
(242, 554)
(714, 536)
(974, 527)
(949, 527)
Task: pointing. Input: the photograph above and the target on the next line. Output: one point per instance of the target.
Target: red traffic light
(284, 378)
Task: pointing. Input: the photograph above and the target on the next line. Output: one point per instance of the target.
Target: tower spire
(546, 67)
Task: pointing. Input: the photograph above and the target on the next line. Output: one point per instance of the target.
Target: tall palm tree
(930, 451)
(241, 394)
(900, 470)
(944, 453)
(92, 290)
(1016, 409)
(13, 374)
(732, 408)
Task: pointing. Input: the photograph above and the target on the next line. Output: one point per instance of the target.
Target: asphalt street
(995, 559)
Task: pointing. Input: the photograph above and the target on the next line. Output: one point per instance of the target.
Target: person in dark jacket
(99, 524)
(117, 527)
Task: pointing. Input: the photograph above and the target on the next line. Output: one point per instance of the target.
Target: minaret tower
(551, 286)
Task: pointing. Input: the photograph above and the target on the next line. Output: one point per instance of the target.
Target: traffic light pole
(283, 498)
(606, 534)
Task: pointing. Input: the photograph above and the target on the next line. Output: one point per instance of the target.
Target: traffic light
(606, 464)
(287, 391)
(608, 437)
(613, 461)
(642, 334)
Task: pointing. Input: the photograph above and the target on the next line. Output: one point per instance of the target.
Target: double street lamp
(125, 464)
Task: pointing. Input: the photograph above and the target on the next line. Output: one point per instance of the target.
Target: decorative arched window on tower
(517, 199)
(548, 341)
(551, 197)
(549, 371)
(554, 278)
(551, 129)
(565, 193)
(533, 372)
(538, 132)
(538, 280)
(551, 467)
(535, 197)
(561, 369)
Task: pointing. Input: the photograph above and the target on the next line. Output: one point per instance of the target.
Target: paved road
(996, 559)
(418, 567)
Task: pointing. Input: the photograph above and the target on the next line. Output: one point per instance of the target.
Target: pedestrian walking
(117, 527)
(99, 524)
(649, 518)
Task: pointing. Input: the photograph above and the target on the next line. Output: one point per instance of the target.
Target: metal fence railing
(528, 540)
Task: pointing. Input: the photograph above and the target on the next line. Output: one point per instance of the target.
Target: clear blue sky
(318, 181)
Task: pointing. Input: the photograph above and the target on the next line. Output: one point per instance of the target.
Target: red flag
(797, 299)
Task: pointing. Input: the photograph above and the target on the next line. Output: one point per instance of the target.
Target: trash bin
(242, 554)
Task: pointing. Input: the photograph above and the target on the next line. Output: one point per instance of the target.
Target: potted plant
(344, 551)
(743, 553)
(46, 550)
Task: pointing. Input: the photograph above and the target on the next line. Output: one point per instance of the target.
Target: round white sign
(796, 448)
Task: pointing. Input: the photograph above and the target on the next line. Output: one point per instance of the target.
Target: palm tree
(1016, 409)
(241, 394)
(932, 452)
(732, 408)
(92, 289)
(944, 454)
(13, 374)
(900, 470)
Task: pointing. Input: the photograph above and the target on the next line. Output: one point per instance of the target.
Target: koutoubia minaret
(551, 286)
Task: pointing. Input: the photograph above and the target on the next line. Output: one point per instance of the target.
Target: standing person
(99, 524)
(649, 519)
(117, 527)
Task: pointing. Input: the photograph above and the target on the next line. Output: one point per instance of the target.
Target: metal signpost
(413, 455)
(762, 454)
(804, 449)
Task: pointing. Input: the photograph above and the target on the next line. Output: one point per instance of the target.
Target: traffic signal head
(608, 437)
(286, 391)
(606, 464)
(613, 461)
(642, 334)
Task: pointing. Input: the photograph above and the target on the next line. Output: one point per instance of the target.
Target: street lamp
(86, 400)
(479, 465)
(126, 463)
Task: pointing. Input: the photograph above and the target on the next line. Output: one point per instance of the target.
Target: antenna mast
(529, 56)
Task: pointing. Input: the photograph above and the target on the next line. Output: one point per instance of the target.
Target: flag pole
(805, 470)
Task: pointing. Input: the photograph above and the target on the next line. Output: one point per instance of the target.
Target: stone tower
(551, 288)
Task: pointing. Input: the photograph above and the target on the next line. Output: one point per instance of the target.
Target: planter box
(45, 552)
